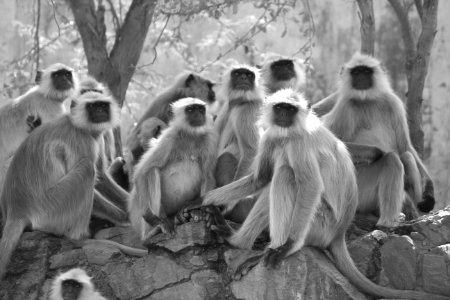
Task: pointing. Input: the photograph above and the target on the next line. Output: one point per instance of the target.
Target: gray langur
(50, 183)
(237, 129)
(279, 72)
(307, 189)
(368, 112)
(41, 104)
(74, 284)
(176, 171)
(107, 192)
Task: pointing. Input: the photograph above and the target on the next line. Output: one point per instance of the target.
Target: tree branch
(367, 26)
(419, 7)
(402, 15)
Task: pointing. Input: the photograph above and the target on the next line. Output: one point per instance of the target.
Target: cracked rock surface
(193, 265)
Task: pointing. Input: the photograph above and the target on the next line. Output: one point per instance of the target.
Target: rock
(192, 265)
(187, 235)
(399, 259)
(306, 275)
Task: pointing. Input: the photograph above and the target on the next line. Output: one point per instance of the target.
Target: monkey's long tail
(346, 265)
(11, 236)
(125, 249)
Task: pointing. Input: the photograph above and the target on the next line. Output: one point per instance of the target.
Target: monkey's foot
(273, 257)
(428, 201)
(216, 222)
(246, 266)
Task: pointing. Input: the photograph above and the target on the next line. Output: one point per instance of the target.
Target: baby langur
(50, 183)
(178, 168)
(306, 198)
(41, 104)
(74, 284)
(368, 112)
(280, 72)
(238, 131)
(108, 194)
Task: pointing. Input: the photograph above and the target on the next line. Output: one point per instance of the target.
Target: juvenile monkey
(178, 168)
(50, 183)
(74, 284)
(280, 72)
(237, 128)
(41, 104)
(368, 112)
(306, 198)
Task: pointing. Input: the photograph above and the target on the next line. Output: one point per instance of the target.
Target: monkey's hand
(216, 222)
(163, 223)
(192, 212)
(273, 257)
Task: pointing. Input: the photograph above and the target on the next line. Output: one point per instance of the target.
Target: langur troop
(258, 155)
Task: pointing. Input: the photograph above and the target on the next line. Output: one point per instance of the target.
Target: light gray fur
(273, 85)
(41, 101)
(50, 183)
(178, 168)
(377, 117)
(88, 291)
(307, 192)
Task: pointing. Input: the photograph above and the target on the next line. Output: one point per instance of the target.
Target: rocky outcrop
(193, 265)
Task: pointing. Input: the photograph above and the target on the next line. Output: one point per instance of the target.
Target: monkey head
(286, 112)
(195, 86)
(89, 84)
(191, 114)
(280, 72)
(241, 82)
(364, 78)
(73, 284)
(94, 112)
(57, 82)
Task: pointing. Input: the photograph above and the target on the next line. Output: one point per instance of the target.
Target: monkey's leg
(390, 190)
(104, 209)
(117, 172)
(413, 184)
(364, 154)
(225, 169)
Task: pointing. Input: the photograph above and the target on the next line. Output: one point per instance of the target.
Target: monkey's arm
(208, 167)
(325, 105)
(364, 154)
(247, 137)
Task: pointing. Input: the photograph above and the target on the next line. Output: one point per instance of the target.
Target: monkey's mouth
(100, 118)
(197, 122)
(285, 76)
(283, 123)
(64, 86)
(243, 86)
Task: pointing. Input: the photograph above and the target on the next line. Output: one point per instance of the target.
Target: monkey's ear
(258, 67)
(189, 80)
(73, 103)
(38, 77)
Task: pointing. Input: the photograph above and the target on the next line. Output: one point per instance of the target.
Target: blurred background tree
(138, 47)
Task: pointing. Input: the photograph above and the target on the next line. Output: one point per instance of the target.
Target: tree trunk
(367, 26)
(417, 61)
(117, 67)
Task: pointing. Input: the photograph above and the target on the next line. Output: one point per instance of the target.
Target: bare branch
(419, 7)
(312, 33)
(156, 44)
(115, 18)
(54, 17)
(367, 26)
(402, 15)
(36, 33)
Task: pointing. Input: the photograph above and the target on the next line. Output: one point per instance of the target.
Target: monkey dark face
(99, 111)
(211, 94)
(242, 79)
(362, 77)
(62, 79)
(71, 289)
(195, 114)
(283, 69)
(284, 114)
